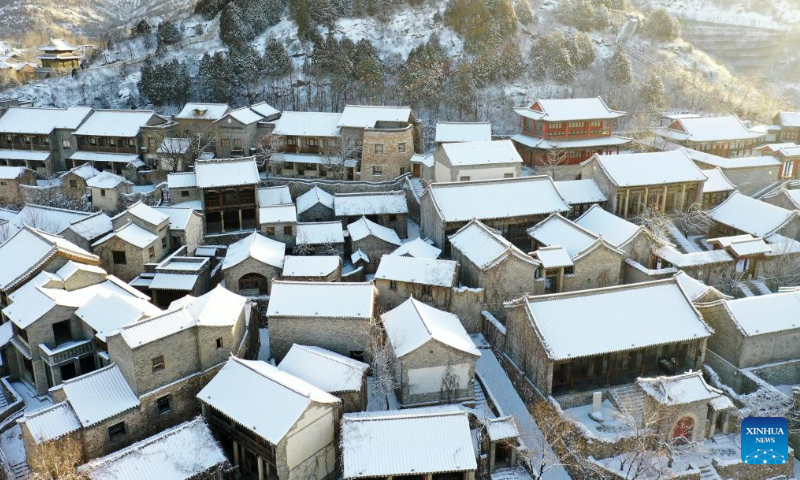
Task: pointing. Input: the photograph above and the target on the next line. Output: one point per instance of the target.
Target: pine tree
(463, 91)
(214, 84)
(652, 93)
(581, 50)
(662, 26)
(561, 68)
(233, 28)
(168, 34)
(277, 63)
(300, 12)
(509, 64)
(537, 62)
(245, 64)
(619, 69)
(524, 12)
(422, 79)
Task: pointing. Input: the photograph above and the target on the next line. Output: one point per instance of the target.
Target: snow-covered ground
(12, 446)
(263, 352)
(775, 14)
(613, 427)
(502, 393)
(29, 398)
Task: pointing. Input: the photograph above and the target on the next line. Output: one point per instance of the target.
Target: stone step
(516, 473)
(628, 398)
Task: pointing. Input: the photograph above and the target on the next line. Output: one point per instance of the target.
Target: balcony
(66, 351)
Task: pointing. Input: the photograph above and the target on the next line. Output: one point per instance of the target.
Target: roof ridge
(490, 181)
(310, 282)
(334, 358)
(601, 290)
(399, 415)
(100, 370)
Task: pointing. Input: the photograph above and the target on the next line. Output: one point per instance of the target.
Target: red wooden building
(725, 137)
(566, 131)
(788, 154)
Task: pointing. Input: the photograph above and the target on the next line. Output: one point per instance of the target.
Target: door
(416, 170)
(683, 430)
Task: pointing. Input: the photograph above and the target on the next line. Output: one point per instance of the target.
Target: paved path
(505, 398)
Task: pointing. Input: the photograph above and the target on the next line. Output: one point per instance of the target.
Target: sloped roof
(576, 192)
(106, 180)
(463, 132)
(363, 228)
(147, 213)
(762, 161)
(92, 226)
(217, 308)
(42, 121)
(321, 300)
(115, 123)
(181, 180)
(607, 320)
(678, 389)
(51, 423)
(501, 428)
(108, 311)
(258, 247)
(84, 170)
(277, 214)
(418, 248)
(484, 246)
(490, 199)
(553, 257)
(156, 327)
(426, 271)
(310, 266)
(99, 395)
(425, 441)
(615, 230)
(327, 370)
(717, 181)
(766, 313)
(319, 233)
(203, 111)
(752, 216)
(242, 115)
(709, 129)
(652, 168)
(226, 172)
(566, 109)
(367, 116)
(179, 217)
(178, 453)
(279, 195)
(264, 109)
(242, 388)
(11, 173)
(130, 233)
(412, 324)
(48, 219)
(312, 197)
(307, 124)
(481, 153)
(357, 204)
(558, 231)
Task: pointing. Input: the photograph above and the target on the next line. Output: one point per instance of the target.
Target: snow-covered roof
(357, 204)
(182, 180)
(418, 248)
(157, 327)
(553, 257)
(557, 230)
(25, 155)
(680, 389)
(692, 259)
(742, 245)
(182, 282)
(615, 230)
(762, 314)
(277, 214)
(359, 256)
(203, 111)
(367, 116)
(708, 129)
(717, 182)
(566, 109)
(761, 161)
(447, 132)
(226, 172)
(321, 300)
(48, 219)
(242, 388)
(179, 217)
(307, 124)
(99, 395)
(92, 226)
(130, 233)
(310, 266)
(363, 228)
(484, 246)
(42, 121)
(652, 168)
(491, 199)
(264, 109)
(789, 119)
(84, 170)
(693, 288)
(218, 308)
(258, 247)
(185, 451)
(147, 214)
(319, 233)
(551, 143)
(242, 115)
(108, 311)
(327, 370)
(423, 441)
(51, 423)
(11, 173)
(750, 215)
(268, 196)
(115, 123)
(58, 44)
(426, 271)
(576, 192)
(29, 249)
(606, 320)
(106, 180)
(412, 324)
(124, 158)
(501, 428)
(174, 146)
(425, 159)
(786, 149)
(312, 197)
(491, 152)
(793, 196)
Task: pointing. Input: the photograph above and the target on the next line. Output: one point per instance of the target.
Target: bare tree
(448, 393)
(267, 146)
(57, 460)
(179, 152)
(695, 220)
(656, 222)
(557, 432)
(334, 153)
(553, 159)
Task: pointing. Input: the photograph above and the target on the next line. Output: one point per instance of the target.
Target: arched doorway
(253, 284)
(683, 430)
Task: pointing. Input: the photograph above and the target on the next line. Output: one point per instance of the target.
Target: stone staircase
(707, 472)
(3, 402)
(510, 473)
(752, 288)
(20, 470)
(628, 399)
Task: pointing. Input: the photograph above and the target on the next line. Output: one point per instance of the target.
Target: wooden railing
(65, 352)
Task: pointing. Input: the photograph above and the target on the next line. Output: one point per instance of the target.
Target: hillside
(493, 80)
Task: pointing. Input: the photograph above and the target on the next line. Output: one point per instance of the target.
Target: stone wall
(634, 272)
(375, 248)
(602, 267)
(388, 299)
(317, 213)
(135, 257)
(394, 157)
(250, 265)
(299, 186)
(433, 361)
(338, 335)
(737, 470)
(750, 180)
(466, 303)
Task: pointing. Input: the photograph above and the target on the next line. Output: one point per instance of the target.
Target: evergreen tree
(233, 28)
(245, 65)
(652, 93)
(276, 63)
(509, 64)
(524, 12)
(463, 90)
(168, 34)
(209, 9)
(422, 79)
(537, 61)
(214, 78)
(619, 69)
(561, 68)
(143, 27)
(300, 12)
(662, 26)
(581, 50)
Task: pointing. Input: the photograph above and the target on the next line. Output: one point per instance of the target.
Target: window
(65, 143)
(3, 183)
(311, 142)
(392, 285)
(151, 142)
(556, 125)
(569, 270)
(73, 184)
(152, 252)
(102, 192)
(131, 142)
(401, 147)
(164, 405)
(463, 179)
(291, 141)
(237, 143)
(287, 230)
(219, 343)
(378, 148)
(392, 217)
(226, 143)
(787, 169)
(270, 230)
(508, 175)
(116, 431)
(597, 123)
(426, 289)
(402, 170)
(164, 242)
(575, 154)
(118, 257)
(158, 363)
(93, 141)
(112, 142)
(377, 169)
(790, 134)
(575, 124)
(184, 193)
